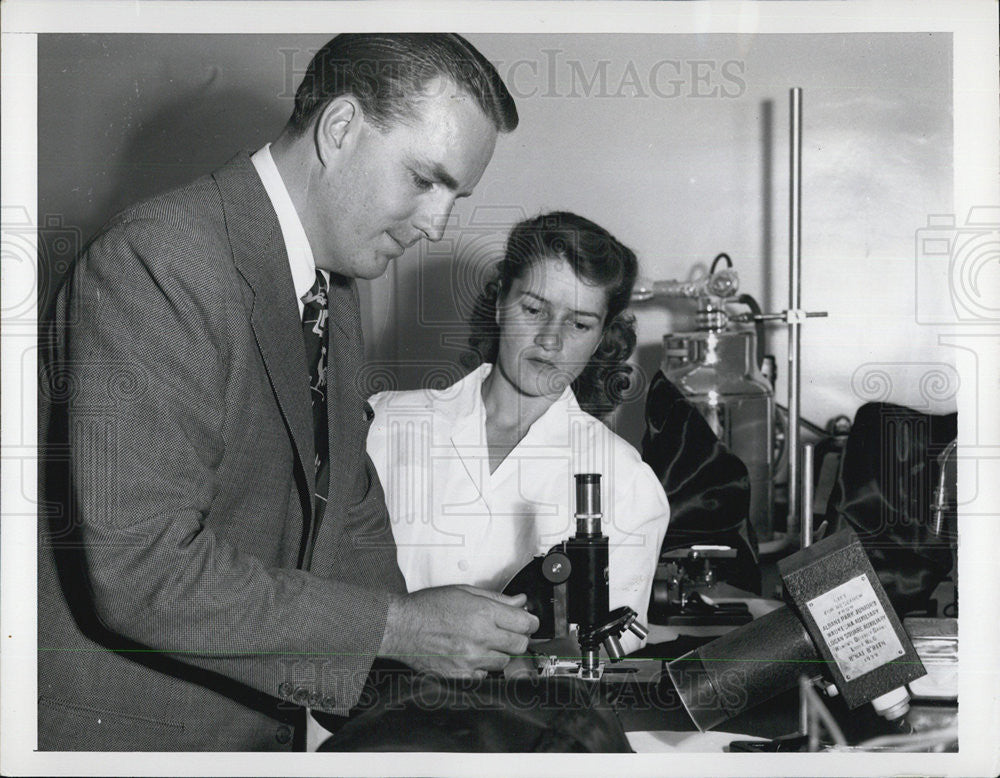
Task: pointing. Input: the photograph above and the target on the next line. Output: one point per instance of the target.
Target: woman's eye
(531, 310)
(580, 326)
(420, 182)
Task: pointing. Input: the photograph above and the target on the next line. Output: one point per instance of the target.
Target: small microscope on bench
(569, 585)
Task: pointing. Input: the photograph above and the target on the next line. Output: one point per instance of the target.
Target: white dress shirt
(455, 522)
(300, 256)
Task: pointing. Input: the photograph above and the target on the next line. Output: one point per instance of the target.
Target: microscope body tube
(745, 667)
(587, 597)
(588, 555)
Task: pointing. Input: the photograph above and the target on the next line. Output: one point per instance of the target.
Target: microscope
(569, 585)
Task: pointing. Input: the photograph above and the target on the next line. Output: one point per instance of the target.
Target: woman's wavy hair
(597, 258)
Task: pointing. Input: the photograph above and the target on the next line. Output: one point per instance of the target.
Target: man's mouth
(401, 247)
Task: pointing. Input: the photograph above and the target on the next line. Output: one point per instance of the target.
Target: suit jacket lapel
(345, 407)
(259, 254)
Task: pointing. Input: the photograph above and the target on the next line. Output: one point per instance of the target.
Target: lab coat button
(285, 689)
(283, 734)
(463, 565)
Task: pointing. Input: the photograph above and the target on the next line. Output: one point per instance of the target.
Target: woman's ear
(609, 338)
(603, 339)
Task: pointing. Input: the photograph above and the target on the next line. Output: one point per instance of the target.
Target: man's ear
(338, 124)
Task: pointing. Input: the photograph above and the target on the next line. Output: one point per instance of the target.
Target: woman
(479, 476)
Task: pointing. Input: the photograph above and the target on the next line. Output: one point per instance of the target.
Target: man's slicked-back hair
(388, 74)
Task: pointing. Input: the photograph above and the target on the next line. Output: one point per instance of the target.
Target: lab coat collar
(464, 399)
(467, 397)
(466, 413)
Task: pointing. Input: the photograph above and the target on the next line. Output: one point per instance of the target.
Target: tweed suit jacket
(178, 606)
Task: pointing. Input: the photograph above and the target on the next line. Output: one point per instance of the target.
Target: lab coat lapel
(462, 416)
(549, 460)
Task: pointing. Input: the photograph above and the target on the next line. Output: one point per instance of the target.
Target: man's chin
(376, 268)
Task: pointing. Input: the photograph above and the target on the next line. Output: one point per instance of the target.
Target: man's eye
(420, 182)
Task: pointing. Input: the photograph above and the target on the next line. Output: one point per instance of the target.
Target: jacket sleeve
(145, 354)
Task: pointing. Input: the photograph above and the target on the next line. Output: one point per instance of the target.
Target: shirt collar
(470, 397)
(300, 256)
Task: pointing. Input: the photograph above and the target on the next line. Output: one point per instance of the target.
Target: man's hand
(457, 631)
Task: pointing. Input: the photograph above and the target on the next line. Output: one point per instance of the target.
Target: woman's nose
(549, 338)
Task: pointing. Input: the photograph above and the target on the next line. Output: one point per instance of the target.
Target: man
(217, 554)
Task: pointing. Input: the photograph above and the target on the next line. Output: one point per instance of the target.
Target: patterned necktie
(314, 321)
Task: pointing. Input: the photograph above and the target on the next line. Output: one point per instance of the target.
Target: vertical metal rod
(803, 705)
(794, 305)
(807, 494)
(813, 728)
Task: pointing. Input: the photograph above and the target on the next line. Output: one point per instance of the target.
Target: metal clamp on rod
(796, 316)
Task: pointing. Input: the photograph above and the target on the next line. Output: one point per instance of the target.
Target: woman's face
(551, 324)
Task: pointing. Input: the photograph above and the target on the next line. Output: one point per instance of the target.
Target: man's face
(392, 187)
(551, 323)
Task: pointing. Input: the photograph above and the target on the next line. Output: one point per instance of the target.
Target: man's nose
(431, 219)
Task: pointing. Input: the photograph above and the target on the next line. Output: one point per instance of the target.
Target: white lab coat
(455, 522)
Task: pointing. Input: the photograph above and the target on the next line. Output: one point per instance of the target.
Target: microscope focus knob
(556, 567)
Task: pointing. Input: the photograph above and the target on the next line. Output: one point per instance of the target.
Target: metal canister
(717, 372)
